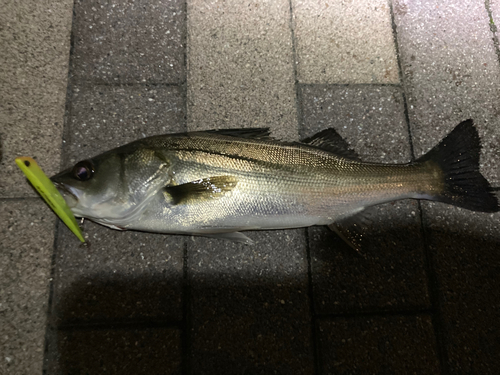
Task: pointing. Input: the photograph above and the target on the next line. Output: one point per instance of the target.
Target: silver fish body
(220, 182)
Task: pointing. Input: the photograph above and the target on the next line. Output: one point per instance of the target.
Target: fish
(218, 183)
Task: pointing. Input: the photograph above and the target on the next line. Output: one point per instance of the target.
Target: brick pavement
(392, 77)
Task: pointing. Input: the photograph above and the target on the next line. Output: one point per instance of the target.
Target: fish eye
(83, 170)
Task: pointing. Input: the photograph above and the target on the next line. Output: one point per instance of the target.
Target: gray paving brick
(128, 42)
(33, 77)
(240, 66)
(104, 117)
(369, 117)
(378, 345)
(451, 73)
(344, 42)
(119, 277)
(26, 245)
(250, 306)
(466, 248)
(118, 351)
(390, 274)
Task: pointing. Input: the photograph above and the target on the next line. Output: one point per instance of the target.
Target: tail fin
(458, 157)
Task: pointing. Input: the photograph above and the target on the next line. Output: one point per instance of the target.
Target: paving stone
(104, 117)
(240, 66)
(378, 345)
(129, 42)
(118, 351)
(118, 277)
(369, 117)
(451, 73)
(26, 245)
(390, 273)
(249, 305)
(344, 42)
(466, 251)
(33, 76)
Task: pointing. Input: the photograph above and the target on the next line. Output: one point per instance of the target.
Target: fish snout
(69, 194)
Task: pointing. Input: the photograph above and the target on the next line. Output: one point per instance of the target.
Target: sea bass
(218, 183)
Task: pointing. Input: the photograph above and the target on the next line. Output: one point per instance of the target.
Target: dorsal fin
(330, 140)
(250, 133)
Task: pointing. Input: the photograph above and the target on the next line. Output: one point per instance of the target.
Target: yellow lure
(49, 193)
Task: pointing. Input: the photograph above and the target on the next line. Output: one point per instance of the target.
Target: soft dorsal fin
(250, 133)
(202, 189)
(330, 140)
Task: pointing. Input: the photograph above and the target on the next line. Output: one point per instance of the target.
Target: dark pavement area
(421, 297)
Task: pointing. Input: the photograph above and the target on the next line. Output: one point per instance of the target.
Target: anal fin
(232, 236)
(352, 230)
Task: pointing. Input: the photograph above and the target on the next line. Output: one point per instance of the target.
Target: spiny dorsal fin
(330, 140)
(202, 189)
(250, 133)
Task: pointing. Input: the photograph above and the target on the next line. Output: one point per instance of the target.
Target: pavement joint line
(87, 84)
(374, 314)
(401, 79)
(53, 261)
(17, 199)
(493, 29)
(433, 287)
(186, 314)
(437, 318)
(310, 292)
(186, 289)
(300, 121)
(124, 325)
(357, 85)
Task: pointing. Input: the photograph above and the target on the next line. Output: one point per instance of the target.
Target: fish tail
(458, 159)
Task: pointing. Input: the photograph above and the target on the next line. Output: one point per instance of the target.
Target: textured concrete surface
(34, 39)
(369, 117)
(421, 297)
(129, 42)
(344, 42)
(103, 117)
(33, 75)
(451, 73)
(119, 351)
(466, 253)
(240, 66)
(378, 345)
(26, 242)
(117, 277)
(250, 305)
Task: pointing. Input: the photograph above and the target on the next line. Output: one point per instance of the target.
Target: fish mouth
(69, 194)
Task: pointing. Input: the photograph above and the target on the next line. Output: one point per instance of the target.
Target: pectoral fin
(202, 189)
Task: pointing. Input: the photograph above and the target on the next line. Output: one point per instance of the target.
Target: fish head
(114, 186)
